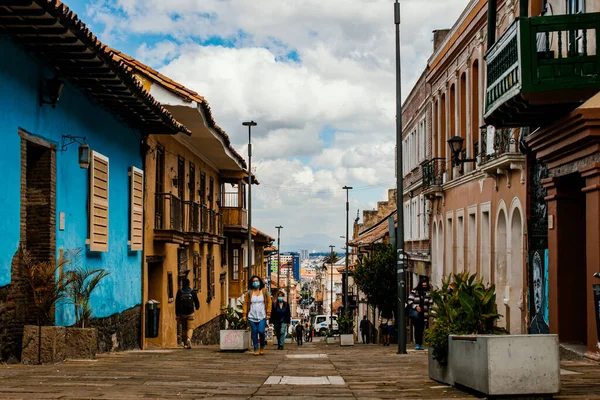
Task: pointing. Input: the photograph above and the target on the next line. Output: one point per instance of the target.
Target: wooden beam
(26, 12)
(50, 40)
(16, 21)
(17, 3)
(60, 55)
(23, 30)
(57, 49)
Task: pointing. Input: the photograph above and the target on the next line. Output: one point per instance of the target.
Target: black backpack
(187, 302)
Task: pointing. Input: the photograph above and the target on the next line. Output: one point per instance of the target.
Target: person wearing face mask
(281, 318)
(419, 302)
(257, 309)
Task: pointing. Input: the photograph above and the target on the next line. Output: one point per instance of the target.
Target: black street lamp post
(249, 124)
(346, 188)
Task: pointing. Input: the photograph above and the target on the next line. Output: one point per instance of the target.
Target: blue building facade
(31, 132)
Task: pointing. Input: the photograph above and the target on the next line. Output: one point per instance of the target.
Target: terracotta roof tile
(180, 90)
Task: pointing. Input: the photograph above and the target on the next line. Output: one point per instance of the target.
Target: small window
(137, 209)
(203, 188)
(197, 272)
(236, 264)
(170, 287)
(320, 319)
(98, 217)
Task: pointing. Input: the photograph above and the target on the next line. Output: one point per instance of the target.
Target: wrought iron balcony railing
(502, 141)
(168, 213)
(433, 172)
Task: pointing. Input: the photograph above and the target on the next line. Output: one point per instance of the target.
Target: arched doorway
(515, 273)
(500, 268)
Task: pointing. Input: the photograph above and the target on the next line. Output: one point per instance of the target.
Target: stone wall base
(119, 331)
(208, 334)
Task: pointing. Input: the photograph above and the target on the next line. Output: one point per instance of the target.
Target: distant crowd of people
(259, 309)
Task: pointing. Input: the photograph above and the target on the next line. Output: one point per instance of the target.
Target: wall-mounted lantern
(175, 181)
(84, 152)
(50, 91)
(456, 144)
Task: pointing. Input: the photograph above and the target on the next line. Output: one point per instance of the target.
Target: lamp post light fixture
(51, 91)
(250, 124)
(346, 188)
(456, 143)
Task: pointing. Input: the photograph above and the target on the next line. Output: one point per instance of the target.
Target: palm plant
(463, 305)
(47, 282)
(82, 282)
(234, 318)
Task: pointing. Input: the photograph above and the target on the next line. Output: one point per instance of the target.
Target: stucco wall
(75, 115)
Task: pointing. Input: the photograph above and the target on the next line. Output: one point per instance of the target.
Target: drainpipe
(491, 23)
(523, 8)
(143, 153)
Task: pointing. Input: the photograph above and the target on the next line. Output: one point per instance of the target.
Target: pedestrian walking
(386, 327)
(186, 302)
(299, 333)
(364, 329)
(419, 302)
(311, 332)
(281, 318)
(257, 309)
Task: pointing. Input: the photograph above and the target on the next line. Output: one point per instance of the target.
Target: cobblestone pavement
(368, 371)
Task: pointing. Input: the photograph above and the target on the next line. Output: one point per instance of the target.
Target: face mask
(280, 299)
(255, 284)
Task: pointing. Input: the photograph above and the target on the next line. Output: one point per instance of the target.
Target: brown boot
(256, 352)
(262, 351)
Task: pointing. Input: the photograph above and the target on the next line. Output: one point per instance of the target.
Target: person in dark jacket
(299, 333)
(186, 302)
(281, 318)
(364, 330)
(419, 301)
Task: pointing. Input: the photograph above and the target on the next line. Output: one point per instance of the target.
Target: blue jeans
(281, 333)
(258, 330)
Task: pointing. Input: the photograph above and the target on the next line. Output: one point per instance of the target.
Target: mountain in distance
(313, 243)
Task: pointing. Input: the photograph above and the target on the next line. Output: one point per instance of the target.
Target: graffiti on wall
(539, 292)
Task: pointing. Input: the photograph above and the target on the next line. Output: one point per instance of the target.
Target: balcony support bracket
(520, 167)
(502, 171)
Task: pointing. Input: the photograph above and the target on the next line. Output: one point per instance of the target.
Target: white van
(321, 324)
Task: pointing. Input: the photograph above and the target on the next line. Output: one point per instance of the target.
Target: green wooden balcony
(542, 68)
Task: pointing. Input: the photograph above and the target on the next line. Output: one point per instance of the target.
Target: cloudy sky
(317, 75)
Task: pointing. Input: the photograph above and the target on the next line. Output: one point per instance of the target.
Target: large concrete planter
(439, 372)
(234, 340)
(53, 345)
(81, 343)
(506, 364)
(347, 340)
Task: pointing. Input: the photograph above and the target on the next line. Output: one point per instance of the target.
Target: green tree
(375, 276)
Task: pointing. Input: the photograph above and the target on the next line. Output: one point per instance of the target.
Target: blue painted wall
(76, 115)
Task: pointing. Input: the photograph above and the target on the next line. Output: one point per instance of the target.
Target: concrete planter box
(288, 340)
(347, 340)
(53, 345)
(234, 340)
(81, 343)
(506, 364)
(439, 372)
(331, 340)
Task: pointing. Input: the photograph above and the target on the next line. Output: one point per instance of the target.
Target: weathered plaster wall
(75, 115)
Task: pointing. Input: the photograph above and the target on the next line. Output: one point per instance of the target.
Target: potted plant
(47, 285)
(346, 326)
(236, 336)
(82, 340)
(330, 338)
(467, 347)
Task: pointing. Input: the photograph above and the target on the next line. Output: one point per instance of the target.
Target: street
(314, 370)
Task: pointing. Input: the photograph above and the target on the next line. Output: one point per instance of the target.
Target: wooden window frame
(94, 242)
(235, 264)
(203, 188)
(136, 212)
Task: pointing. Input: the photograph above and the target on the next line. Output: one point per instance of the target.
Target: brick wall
(38, 216)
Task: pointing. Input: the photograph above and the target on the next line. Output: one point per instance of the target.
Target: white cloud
(344, 80)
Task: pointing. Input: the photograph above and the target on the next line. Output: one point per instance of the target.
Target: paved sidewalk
(359, 372)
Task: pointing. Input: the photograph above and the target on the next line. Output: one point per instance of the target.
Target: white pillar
(469, 136)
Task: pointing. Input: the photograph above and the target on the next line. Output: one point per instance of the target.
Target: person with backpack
(281, 318)
(186, 302)
(257, 310)
(419, 302)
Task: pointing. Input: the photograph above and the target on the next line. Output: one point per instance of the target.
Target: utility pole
(279, 228)
(288, 279)
(249, 124)
(331, 257)
(401, 277)
(346, 188)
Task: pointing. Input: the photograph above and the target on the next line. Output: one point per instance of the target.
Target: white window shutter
(98, 215)
(136, 234)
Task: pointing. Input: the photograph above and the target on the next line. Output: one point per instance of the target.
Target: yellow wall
(155, 277)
